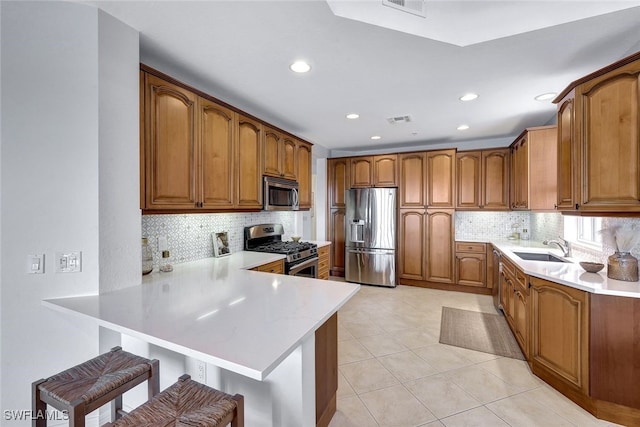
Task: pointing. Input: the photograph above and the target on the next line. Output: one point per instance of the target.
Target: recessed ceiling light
(300, 67)
(546, 96)
(468, 97)
(463, 127)
(353, 116)
(376, 137)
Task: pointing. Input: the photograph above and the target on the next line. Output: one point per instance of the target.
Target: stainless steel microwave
(280, 194)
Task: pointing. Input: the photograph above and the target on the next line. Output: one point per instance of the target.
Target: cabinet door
(495, 179)
(521, 319)
(337, 238)
(216, 155)
(520, 174)
(248, 158)
(338, 181)
(385, 172)
(441, 178)
(542, 179)
(412, 186)
(411, 244)
(567, 152)
(468, 170)
(511, 300)
(303, 156)
(560, 333)
(440, 246)
(289, 157)
(170, 146)
(471, 269)
(610, 134)
(504, 292)
(362, 171)
(272, 155)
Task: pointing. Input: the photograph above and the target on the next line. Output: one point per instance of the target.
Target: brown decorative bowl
(591, 267)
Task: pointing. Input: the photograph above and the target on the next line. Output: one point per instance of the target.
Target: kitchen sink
(537, 256)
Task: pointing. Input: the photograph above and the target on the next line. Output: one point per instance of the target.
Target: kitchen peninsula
(258, 329)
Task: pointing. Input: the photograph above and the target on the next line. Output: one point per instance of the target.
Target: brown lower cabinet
(337, 238)
(276, 267)
(586, 346)
(323, 262)
(326, 370)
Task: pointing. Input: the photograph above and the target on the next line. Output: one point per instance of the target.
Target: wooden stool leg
(238, 420)
(76, 413)
(38, 407)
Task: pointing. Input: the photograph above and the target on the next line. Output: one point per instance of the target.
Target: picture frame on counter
(221, 244)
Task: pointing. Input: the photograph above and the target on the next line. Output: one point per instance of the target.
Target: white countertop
(243, 321)
(565, 273)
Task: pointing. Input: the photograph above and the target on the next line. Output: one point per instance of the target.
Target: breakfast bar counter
(258, 328)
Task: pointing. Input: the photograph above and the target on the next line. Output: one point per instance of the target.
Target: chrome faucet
(562, 244)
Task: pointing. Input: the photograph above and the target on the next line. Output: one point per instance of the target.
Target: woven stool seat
(89, 385)
(187, 403)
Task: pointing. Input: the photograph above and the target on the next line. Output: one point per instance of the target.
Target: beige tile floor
(394, 372)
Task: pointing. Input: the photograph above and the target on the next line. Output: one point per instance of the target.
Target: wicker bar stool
(89, 385)
(187, 403)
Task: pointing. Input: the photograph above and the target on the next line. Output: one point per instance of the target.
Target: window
(583, 230)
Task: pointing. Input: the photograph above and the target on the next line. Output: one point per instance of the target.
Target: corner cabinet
(599, 140)
(534, 169)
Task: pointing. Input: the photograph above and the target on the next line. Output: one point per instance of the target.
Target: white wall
(59, 157)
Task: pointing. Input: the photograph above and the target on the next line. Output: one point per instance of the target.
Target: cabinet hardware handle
(577, 206)
(555, 206)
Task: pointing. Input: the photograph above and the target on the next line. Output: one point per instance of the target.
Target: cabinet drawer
(471, 247)
(508, 266)
(276, 267)
(521, 279)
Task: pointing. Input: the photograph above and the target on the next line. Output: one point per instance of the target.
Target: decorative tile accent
(483, 225)
(189, 236)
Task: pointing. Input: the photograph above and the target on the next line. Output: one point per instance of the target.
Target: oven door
(307, 268)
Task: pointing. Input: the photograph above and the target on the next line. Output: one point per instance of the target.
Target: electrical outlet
(68, 262)
(201, 372)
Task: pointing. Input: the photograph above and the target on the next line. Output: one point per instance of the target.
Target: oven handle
(304, 264)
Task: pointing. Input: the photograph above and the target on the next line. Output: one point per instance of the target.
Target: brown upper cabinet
(338, 181)
(413, 180)
(303, 165)
(599, 140)
(279, 154)
(374, 171)
(197, 154)
(482, 179)
(441, 175)
(534, 157)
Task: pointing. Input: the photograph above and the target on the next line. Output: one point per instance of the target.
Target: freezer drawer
(370, 266)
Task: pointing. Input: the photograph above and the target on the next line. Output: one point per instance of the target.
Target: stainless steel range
(302, 257)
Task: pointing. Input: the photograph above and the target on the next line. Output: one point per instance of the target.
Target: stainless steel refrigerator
(370, 236)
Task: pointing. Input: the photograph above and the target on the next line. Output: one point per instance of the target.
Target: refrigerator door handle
(357, 231)
(373, 251)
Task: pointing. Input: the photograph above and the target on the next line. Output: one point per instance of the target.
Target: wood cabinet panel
(248, 159)
(560, 333)
(338, 181)
(361, 171)
(337, 238)
(412, 244)
(412, 185)
(272, 152)
(471, 247)
(469, 178)
(385, 171)
(441, 178)
(169, 146)
(471, 269)
(217, 144)
(290, 166)
(276, 267)
(611, 140)
(567, 152)
(495, 179)
(521, 319)
(440, 246)
(303, 163)
(326, 363)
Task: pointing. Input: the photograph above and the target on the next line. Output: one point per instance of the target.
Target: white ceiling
(508, 52)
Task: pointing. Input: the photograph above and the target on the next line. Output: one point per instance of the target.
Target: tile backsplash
(546, 226)
(189, 236)
(480, 225)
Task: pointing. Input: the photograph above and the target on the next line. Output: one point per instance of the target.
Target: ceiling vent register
(399, 119)
(414, 7)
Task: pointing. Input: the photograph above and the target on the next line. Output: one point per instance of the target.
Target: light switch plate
(35, 264)
(68, 262)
